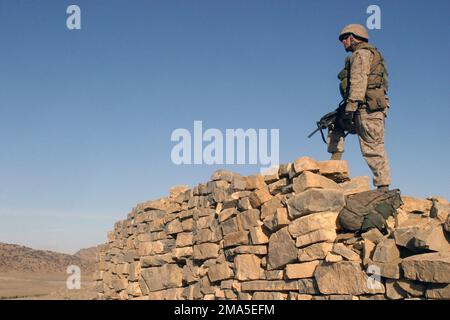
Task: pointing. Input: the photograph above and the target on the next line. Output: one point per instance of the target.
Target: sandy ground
(43, 287)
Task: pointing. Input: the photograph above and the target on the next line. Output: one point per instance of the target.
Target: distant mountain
(16, 258)
(88, 254)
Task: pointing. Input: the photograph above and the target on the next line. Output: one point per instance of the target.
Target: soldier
(363, 86)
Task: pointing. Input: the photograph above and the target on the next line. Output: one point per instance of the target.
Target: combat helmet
(356, 30)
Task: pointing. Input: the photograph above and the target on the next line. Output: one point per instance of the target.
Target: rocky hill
(276, 236)
(19, 259)
(87, 254)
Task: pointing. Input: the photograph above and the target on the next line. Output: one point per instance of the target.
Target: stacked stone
(274, 236)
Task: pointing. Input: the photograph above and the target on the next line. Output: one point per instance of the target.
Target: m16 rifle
(329, 121)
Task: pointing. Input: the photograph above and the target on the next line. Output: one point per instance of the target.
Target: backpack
(370, 209)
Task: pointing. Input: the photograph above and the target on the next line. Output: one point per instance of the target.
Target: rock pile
(274, 236)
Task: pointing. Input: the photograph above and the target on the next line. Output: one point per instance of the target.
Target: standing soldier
(363, 86)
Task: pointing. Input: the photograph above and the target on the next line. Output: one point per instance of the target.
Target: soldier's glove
(351, 105)
(347, 119)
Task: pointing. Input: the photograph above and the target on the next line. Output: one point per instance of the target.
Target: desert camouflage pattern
(369, 126)
(360, 62)
(370, 130)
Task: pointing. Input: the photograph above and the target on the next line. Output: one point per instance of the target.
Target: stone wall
(274, 236)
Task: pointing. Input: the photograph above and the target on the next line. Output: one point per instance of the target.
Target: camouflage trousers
(370, 130)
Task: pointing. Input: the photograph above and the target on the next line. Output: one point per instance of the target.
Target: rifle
(328, 121)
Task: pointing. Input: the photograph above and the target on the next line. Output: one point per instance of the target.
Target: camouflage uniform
(369, 126)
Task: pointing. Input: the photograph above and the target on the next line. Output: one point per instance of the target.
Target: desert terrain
(26, 273)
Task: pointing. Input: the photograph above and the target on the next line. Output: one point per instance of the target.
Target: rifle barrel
(314, 132)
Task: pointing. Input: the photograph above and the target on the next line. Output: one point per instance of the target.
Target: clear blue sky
(86, 116)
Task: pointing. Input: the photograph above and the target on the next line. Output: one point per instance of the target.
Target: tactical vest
(377, 82)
